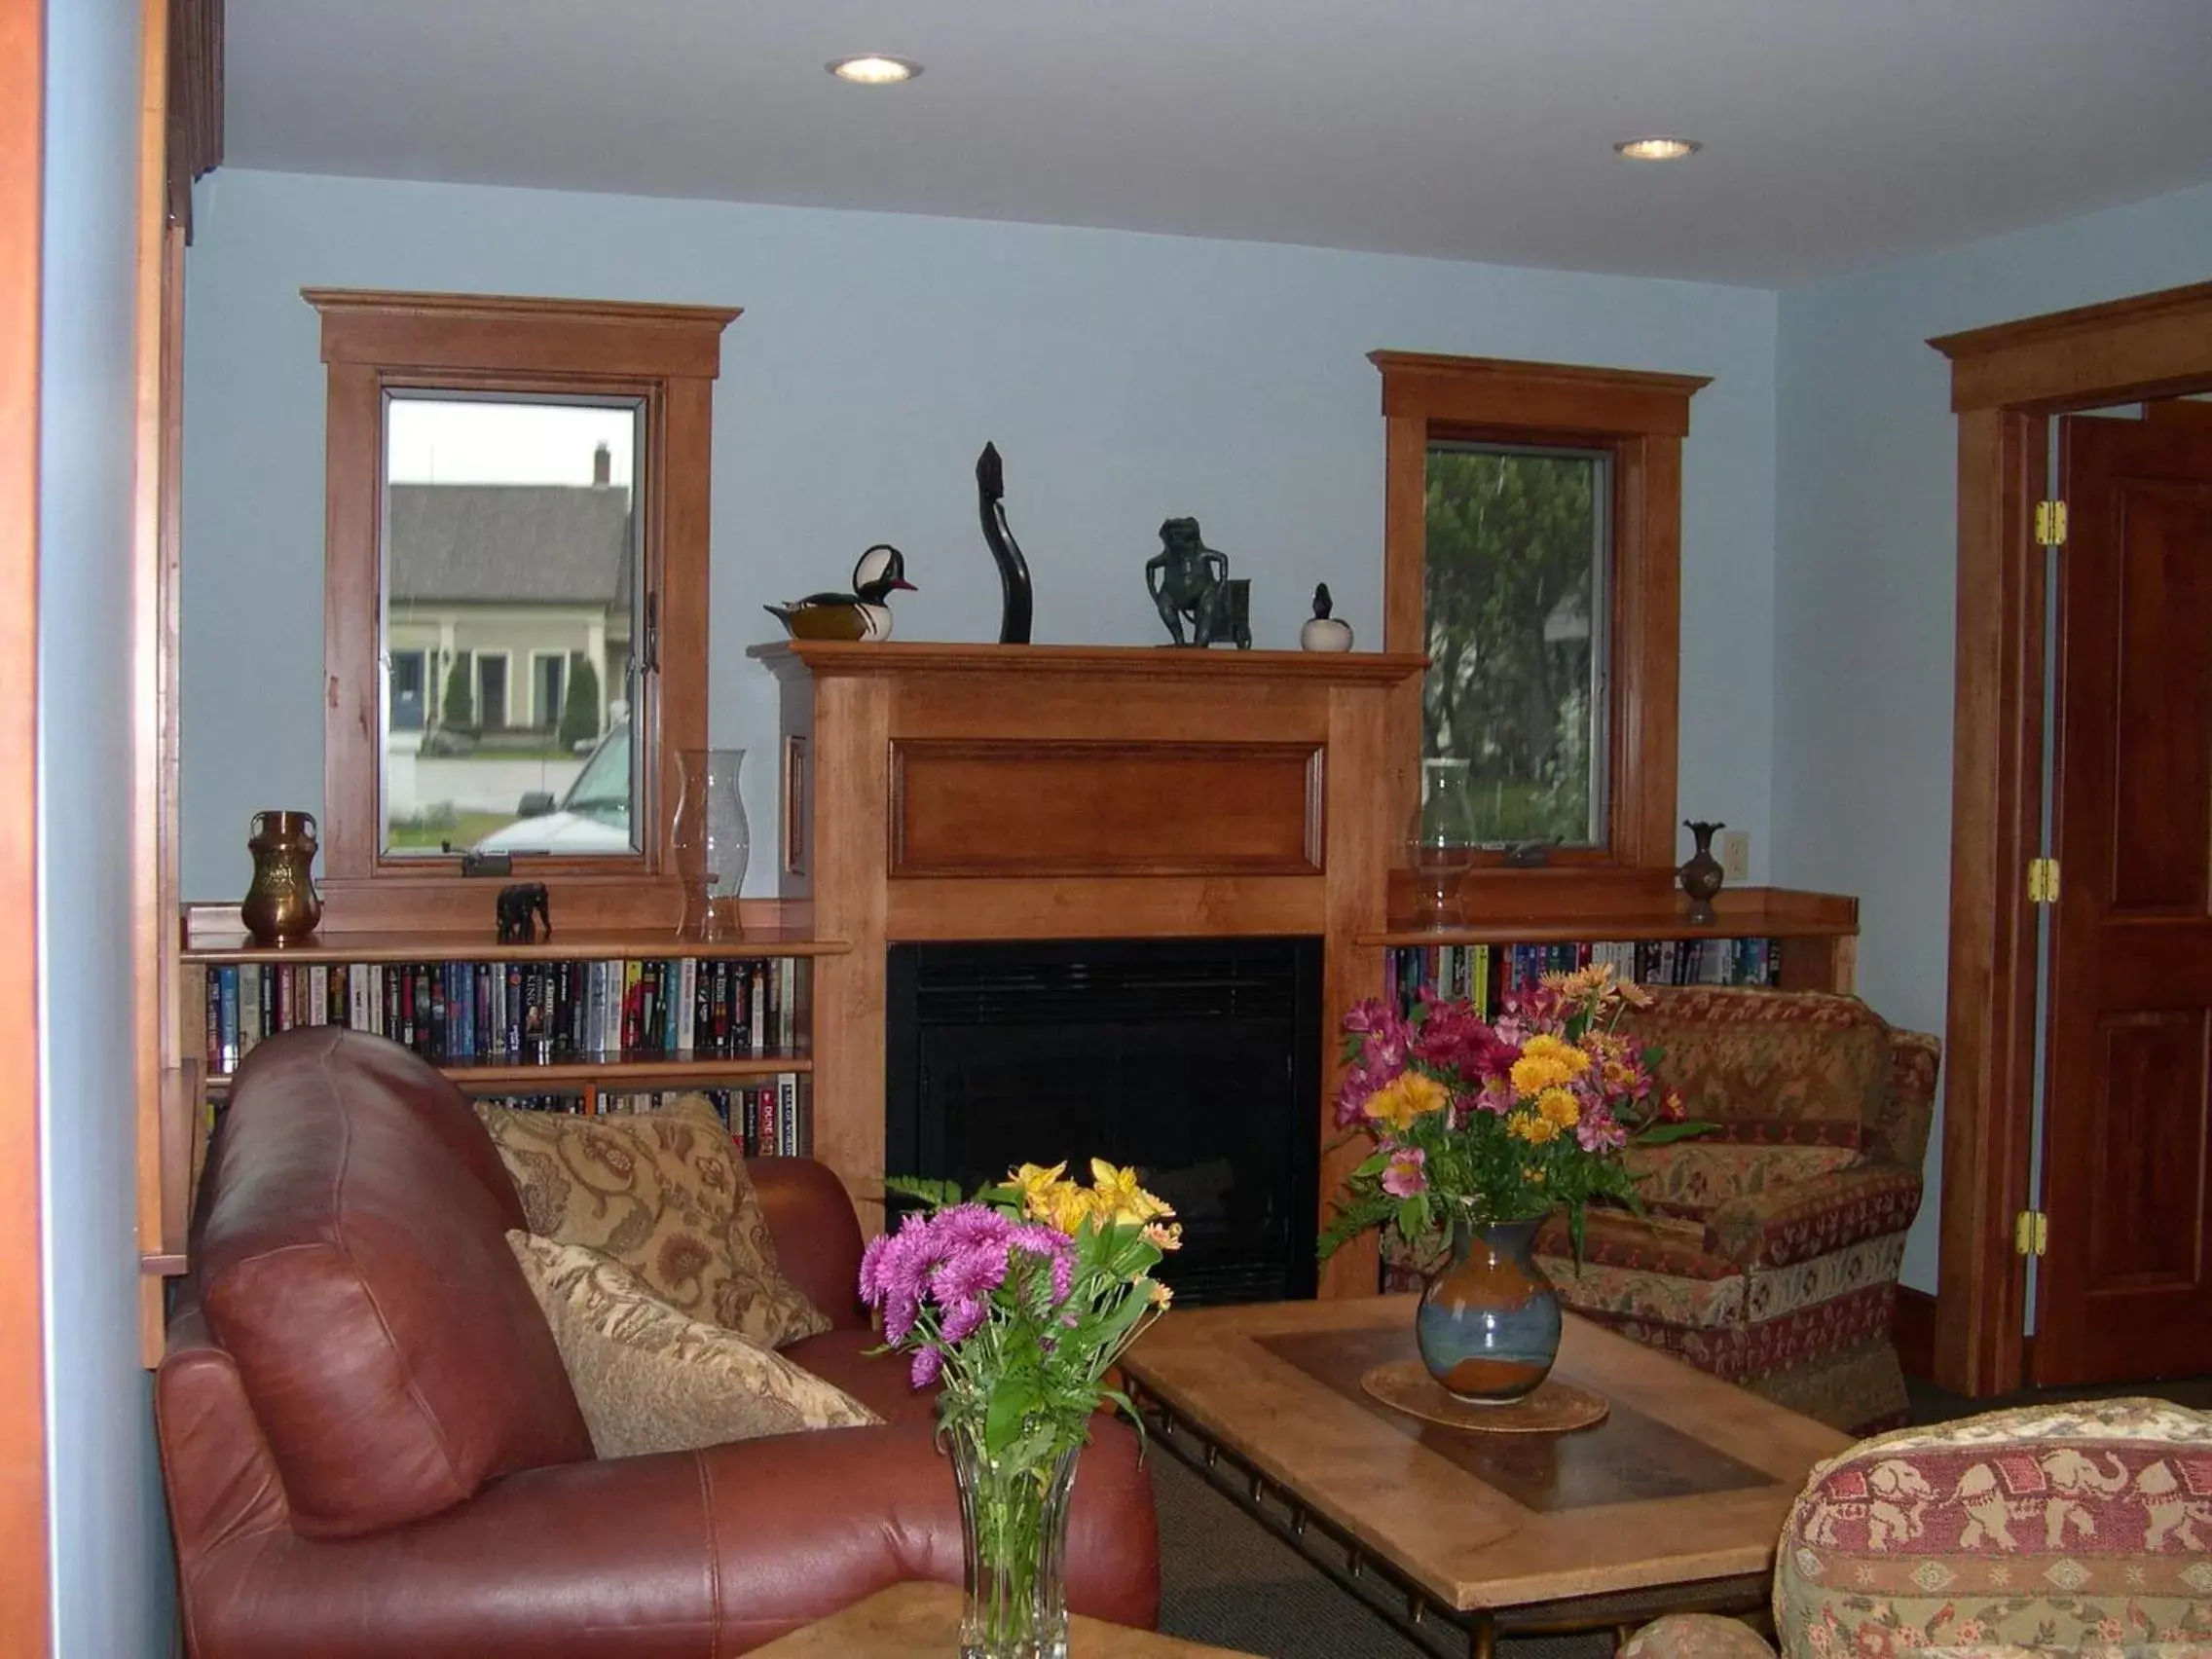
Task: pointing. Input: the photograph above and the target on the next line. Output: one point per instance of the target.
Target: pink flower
(1599, 1130)
(1371, 1013)
(1455, 1039)
(1497, 1096)
(927, 1363)
(1404, 1175)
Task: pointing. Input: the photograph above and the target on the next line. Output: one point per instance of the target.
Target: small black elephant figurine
(516, 904)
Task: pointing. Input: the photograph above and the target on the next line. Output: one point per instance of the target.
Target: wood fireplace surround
(963, 792)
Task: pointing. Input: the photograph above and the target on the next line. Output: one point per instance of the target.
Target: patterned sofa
(1769, 1251)
(2081, 1529)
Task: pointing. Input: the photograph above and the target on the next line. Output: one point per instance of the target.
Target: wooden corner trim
(393, 330)
(1503, 390)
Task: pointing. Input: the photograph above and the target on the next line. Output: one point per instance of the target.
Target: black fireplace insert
(1196, 1060)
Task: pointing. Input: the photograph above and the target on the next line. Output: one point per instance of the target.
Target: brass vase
(1701, 872)
(281, 906)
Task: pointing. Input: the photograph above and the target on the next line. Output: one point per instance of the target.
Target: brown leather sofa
(370, 1447)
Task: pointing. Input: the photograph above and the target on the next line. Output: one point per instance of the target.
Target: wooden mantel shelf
(829, 659)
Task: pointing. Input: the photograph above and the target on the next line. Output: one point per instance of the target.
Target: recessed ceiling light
(1658, 148)
(873, 69)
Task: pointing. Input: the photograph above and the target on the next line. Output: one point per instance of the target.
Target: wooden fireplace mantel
(966, 791)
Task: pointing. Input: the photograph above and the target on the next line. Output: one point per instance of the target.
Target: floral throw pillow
(651, 1379)
(666, 1194)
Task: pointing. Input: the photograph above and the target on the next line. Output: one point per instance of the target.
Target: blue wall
(111, 1587)
(1866, 573)
(1124, 378)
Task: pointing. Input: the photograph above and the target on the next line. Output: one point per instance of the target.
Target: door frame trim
(2006, 379)
(26, 1531)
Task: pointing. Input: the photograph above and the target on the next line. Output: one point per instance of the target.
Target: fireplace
(1197, 1060)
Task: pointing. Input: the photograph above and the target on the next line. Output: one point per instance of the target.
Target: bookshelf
(1816, 935)
(605, 1053)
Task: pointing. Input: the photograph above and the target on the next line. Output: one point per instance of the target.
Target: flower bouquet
(1479, 1131)
(1016, 1303)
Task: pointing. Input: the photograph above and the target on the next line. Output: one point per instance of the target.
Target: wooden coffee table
(922, 1621)
(1672, 1504)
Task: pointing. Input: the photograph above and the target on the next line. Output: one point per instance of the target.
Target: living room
(1128, 376)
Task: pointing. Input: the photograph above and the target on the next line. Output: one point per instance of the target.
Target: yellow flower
(1546, 1062)
(1558, 1107)
(1532, 1127)
(1036, 1184)
(1533, 1175)
(1404, 1097)
(1163, 1235)
(1119, 1200)
(1066, 1207)
(1162, 1295)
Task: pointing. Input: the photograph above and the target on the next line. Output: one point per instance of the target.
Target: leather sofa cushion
(650, 1378)
(357, 1271)
(666, 1194)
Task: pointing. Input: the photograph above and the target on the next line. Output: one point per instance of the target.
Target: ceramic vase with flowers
(1016, 1304)
(1477, 1131)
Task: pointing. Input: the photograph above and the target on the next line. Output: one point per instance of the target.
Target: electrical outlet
(1736, 855)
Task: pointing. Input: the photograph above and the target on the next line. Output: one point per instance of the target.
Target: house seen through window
(510, 580)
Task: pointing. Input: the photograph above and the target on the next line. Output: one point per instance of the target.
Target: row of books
(515, 1011)
(1486, 974)
(772, 1118)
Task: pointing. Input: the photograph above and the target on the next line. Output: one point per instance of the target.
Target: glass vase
(712, 841)
(1013, 1525)
(1487, 1323)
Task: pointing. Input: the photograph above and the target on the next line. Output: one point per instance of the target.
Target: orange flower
(1408, 1095)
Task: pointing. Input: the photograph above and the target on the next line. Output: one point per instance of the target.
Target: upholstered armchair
(2082, 1529)
(1769, 1249)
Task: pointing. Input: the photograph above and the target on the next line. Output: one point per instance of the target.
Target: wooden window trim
(667, 357)
(1640, 418)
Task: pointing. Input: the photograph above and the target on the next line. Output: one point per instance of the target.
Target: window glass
(510, 576)
(1514, 706)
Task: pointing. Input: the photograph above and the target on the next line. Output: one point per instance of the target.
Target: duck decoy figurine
(1324, 632)
(864, 613)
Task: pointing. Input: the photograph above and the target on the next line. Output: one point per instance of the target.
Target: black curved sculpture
(1013, 569)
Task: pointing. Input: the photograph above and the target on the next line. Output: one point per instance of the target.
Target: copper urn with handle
(281, 906)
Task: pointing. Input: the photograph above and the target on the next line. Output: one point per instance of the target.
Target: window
(516, 523)
(513, 539)
(1515, 720)
(1531, 550)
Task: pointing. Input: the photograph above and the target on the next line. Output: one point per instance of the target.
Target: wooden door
(2125, 1288)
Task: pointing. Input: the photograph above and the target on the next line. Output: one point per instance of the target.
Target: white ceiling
(1838, 134)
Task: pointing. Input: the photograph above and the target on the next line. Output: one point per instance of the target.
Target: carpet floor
(1226, 1580)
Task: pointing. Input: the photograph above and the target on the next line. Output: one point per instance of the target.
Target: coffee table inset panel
(1628, 1458)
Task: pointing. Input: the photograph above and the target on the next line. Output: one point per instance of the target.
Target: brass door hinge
(2050, 524)
(2030, 1233)
(2042, 881)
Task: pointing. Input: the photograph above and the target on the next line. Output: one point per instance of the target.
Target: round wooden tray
(1554, 1408)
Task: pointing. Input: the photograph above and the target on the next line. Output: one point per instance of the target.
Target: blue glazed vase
(1488, 1324)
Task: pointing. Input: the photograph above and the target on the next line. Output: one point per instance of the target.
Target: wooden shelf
(1498, 917)
(616, 1073)
(211, 949)
(825, 660)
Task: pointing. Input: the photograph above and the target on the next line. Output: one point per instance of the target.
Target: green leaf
(1659, 1134)
(938, 1194)
(1012, 1401)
